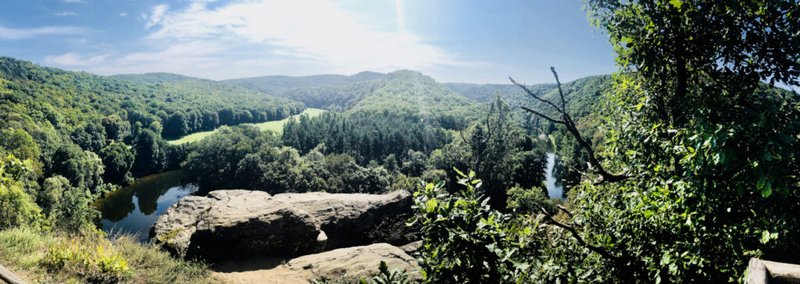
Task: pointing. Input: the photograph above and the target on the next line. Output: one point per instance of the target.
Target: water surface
(555, 189)
(134, 209)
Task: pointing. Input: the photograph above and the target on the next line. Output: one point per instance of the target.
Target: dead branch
(529, 92)
(543, 116)
(564, 209)
(567, 121)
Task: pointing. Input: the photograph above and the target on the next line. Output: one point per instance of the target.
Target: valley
(397, 142)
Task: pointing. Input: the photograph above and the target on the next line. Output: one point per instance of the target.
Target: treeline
(245, 157)
(367, 136)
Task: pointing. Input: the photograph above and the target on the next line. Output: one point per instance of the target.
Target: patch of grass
(197, 136)
(99, 263)
(153, 265)
(275, 125)
(22, 247)
(53, 258)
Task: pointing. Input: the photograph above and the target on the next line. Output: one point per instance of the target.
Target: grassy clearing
(30, 254)
(197, 136)
(275, 125)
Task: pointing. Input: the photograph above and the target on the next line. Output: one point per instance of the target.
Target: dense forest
(679, 167)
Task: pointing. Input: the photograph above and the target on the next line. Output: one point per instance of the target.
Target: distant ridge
(279, 83)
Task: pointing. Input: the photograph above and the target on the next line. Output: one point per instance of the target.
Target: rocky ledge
(228, 223)
(344, 265)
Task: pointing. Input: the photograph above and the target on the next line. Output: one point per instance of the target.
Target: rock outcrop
(237, 222)
(348, 264)
(349, 219)
(241, 222)
(353, 262)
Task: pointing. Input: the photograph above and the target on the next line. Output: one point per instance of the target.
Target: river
(555, 189)
(134, 209)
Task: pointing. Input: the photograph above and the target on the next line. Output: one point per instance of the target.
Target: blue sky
(452, 40)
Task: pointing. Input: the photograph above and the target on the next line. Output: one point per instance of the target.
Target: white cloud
(73, 59)
(156, 16)
(26, 33)
(123, 14)
(65, 14)
(254, 38)
(304, 29)
(75, 1)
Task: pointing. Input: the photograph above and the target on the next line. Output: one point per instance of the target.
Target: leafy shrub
(17, 207)
(530, 201)
(385, 276)
(465, 241)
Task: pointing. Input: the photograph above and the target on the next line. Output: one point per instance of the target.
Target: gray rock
(237, 222)
(353, 263)
(229, 223)
(350, 218)
(345, 265)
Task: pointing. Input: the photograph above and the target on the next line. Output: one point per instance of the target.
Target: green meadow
(275, 125)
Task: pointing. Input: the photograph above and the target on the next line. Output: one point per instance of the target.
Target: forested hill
(157, 77)
(582, 99)
(67, 122)
(416, 92)
(281, 84)
(577, 93)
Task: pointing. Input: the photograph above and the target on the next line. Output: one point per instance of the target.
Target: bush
(530, 201)
(385, 276)
(17, 207)
(465, 241)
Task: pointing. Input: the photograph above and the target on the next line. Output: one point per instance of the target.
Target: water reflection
(555, 188)
(135, 208)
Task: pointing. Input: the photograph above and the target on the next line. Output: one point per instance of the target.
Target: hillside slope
(48, 115)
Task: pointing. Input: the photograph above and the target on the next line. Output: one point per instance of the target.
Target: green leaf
(676, 3)
(460, 173)
(767, 190)
(430, 205)
(765, 237)
(765, 186)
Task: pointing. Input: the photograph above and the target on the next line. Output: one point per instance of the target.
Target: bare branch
(529, 92)
(564, 209)
(560, 91)
(572, 128)
(544, 116)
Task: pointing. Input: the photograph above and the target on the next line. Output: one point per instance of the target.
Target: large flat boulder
(237, 222)
(344, 265)
(228, 223)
